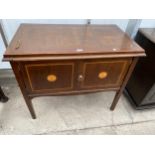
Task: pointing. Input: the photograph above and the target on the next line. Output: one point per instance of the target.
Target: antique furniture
(71, 59)
(141, 86)
(3, 97)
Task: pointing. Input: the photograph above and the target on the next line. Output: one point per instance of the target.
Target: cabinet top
(43, 41)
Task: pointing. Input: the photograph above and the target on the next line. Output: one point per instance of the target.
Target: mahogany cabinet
(71, 59)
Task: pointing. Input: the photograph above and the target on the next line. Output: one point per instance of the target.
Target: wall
(2, 49)
(122, 23)
(149, 23)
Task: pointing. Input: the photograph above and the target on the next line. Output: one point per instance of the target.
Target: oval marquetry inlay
(51, 78)
(102, 75)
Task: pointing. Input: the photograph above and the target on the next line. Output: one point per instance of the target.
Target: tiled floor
(78, 114)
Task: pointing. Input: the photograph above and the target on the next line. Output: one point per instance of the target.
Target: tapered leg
(19, 77)
(116, 98)
(119, 92)
(30, 106)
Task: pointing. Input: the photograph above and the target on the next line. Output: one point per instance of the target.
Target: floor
(78, 114)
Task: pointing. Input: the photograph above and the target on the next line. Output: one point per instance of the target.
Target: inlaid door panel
(104, 73)
(49, 76)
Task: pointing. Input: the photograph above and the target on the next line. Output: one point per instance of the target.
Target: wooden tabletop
(48, 40)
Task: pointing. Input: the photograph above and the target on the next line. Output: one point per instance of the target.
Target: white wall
(122, 23)
(148, 23)
(142, 23)
(2, 49)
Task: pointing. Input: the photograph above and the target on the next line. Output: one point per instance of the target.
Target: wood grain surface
(43, 40)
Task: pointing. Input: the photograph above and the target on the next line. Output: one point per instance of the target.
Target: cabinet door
(104, 73)
(49, 76)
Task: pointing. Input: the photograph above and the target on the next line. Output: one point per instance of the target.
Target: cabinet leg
(119, 92)
(115, 101)
(30, 107)
(18, 74)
